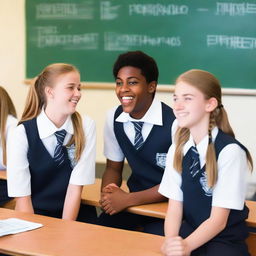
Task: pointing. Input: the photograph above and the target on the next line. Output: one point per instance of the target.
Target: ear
(212, 103)
(48, 92)
(152, 87)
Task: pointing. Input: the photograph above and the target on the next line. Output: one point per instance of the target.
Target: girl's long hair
(6, 108)
(210, 87)
(36, 99)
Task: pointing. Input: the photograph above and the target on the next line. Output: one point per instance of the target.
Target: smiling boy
(140, 131)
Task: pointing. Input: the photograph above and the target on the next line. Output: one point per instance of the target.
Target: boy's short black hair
(137, 59)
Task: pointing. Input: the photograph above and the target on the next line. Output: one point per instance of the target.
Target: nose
(77, 92)
(178, 105)
(124, 87)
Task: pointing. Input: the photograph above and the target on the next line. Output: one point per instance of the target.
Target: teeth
(74, 101)
(127, 98)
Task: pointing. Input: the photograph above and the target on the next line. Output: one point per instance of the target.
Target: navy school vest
(147, 163)
(197, 197)
(49, 181)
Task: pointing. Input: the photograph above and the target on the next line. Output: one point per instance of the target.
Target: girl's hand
(175, 246)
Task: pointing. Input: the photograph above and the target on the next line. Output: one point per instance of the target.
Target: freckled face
(133, 91)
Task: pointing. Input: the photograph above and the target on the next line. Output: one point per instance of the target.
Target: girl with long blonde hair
(205, 175)
(8, 120)
(52, 150)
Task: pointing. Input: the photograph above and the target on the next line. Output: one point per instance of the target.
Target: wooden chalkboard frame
(160, 88)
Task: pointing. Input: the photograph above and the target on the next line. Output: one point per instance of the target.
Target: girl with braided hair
(205, 175)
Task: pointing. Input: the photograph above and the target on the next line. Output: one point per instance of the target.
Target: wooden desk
(251, 221)
(64, 238)
(91, 196)
(3, 175)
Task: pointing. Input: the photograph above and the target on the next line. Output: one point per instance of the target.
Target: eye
(175, 99)
(133, 82)
(118, 83)
(188, 98)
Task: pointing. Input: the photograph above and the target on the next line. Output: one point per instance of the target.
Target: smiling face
(191, 108)
(133, 91)
(64, 94)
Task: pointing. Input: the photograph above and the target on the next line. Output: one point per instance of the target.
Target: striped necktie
(195, 166)
(138, 140)
(58, 152)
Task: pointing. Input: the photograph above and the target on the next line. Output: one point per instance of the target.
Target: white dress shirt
(18, 166)
(112, 150)
(230, 189)
(11, 122)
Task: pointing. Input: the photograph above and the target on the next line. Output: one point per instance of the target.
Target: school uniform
(198, 199)
(10, 123)
(32, 171)
(147, 163)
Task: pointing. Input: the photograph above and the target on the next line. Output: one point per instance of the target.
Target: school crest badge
(161, 159)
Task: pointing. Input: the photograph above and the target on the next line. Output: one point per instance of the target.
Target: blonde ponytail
(79, 137)
(33, 103)
(211, 163)
(181, 137)
(6, 108)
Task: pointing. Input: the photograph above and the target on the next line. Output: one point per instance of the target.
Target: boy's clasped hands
(113, 199)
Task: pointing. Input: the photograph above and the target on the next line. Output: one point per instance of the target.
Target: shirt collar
(202, 146)
(152, 116)
(47, 128)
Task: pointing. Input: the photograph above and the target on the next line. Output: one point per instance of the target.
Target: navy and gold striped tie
(58, 152)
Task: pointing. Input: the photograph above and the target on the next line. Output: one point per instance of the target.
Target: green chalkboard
(218, 36)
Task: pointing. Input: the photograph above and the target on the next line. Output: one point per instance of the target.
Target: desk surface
(64, 238)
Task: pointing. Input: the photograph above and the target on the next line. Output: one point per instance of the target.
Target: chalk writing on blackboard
(157, 9)
(202, 9)
(74, 11)
(108, 11)
(48, 36)
(232, 42)
(235, 9)
(122, 42)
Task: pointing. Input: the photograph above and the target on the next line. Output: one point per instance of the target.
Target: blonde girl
(52, 151)
(205, 175)
(8, 120)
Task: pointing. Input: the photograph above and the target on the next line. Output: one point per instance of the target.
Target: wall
(241, 109)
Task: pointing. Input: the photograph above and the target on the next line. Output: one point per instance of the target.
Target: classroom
(99, 96)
